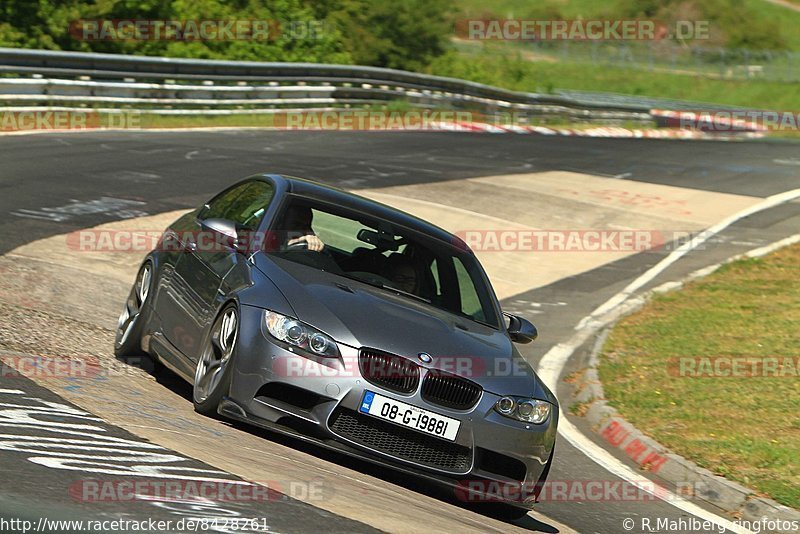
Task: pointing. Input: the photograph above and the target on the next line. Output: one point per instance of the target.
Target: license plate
(410, 416)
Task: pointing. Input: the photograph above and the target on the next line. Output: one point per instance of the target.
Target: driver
(403, 273)
(297, 228)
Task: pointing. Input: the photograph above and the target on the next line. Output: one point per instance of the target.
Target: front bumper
(318, 400)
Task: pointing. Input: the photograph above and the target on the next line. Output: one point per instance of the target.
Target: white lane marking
(763, 251)
(552, 364)
(685, 247)
(11, 392)
(605, 460)
(122, 208)
(192, 154)
(790, 161)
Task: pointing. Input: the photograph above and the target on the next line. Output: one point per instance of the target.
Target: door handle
(191, 246)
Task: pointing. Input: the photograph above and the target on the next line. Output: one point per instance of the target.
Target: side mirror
(521, 330)
(224, 231)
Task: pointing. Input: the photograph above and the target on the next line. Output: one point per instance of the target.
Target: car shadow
(177, 385)
(392, 476)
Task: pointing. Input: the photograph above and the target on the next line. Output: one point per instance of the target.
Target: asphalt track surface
(163, 171)
(40, 495)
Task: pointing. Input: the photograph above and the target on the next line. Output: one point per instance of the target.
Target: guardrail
(105, 79)
(177, 85)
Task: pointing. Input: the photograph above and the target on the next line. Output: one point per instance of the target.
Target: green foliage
(748, 308)
(733, 23)
(753, 24)
(745, 27)
(514, 71)
(406, 34)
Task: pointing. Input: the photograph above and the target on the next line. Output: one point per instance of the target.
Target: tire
(212, 378)
(130, 325)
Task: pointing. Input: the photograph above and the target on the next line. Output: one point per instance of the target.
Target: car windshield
(382, 254)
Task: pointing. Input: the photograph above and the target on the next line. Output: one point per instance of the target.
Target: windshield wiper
(404, 293)
(381, 285)
(393, 289)
(484, 323)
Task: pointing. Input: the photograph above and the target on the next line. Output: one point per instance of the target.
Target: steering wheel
(303, 245)
(300, 245)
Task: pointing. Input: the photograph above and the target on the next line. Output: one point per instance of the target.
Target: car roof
(340, 197)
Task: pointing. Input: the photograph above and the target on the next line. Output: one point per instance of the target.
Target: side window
(220, 204)
(250, 206)
(244, 204)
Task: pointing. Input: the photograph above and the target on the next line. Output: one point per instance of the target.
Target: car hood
(359, 315)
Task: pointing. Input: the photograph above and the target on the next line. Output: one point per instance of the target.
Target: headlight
(298, 334)
(524, 409)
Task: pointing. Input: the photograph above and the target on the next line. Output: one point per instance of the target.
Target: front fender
(263, 293)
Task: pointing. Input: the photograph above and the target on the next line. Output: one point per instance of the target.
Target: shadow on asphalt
(177, 385)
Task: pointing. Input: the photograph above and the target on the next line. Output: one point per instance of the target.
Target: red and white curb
(690, 480)
(552, 364)
(610, 132)
(613, 132)
(706, 121)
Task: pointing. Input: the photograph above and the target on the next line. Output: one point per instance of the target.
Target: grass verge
(494, 66)
(396, 114)
(746, 428)
(734, 22)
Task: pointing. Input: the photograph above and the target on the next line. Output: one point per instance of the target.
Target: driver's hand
(314, 243)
